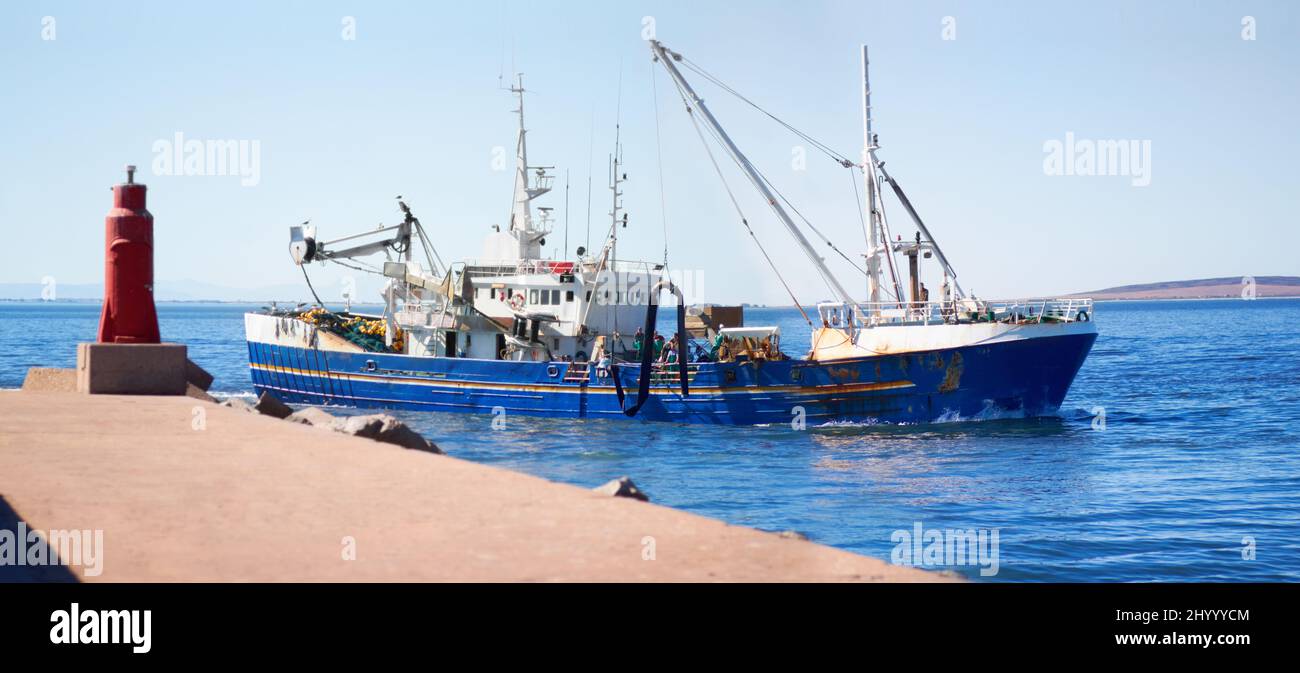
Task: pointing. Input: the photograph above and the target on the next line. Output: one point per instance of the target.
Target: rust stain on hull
(952, 375)
(843, 374)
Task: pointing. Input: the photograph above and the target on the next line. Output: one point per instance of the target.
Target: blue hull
(1029, 377)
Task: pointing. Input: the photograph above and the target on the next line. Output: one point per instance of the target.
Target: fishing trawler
(514, 331)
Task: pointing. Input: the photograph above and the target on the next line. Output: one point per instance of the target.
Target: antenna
(566, 212)
(618, 107)
(591, 150)
(615, 175)
(501, 72)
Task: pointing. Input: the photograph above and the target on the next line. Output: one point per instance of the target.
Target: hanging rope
(309, 286)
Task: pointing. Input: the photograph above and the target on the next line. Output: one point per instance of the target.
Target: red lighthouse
(129, 315)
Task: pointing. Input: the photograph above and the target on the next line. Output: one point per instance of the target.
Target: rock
(197, 376)
(50, 380)
(236, 403)
(312, 416)
(792, 535)
(622, 488)
(198, 393)
(384, 428)
(270, 405)
(361, 426)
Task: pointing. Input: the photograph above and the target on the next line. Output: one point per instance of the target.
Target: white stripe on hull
(912, 338)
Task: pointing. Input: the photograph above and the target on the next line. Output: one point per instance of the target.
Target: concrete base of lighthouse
(131, 369)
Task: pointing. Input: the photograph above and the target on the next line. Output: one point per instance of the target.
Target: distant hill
(1204, 288)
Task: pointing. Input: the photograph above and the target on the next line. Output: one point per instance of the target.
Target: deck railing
(1068, 309)
(667, 372)
(660, 373)
(495, 268)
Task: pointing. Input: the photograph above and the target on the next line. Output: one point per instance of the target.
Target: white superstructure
(513, 302)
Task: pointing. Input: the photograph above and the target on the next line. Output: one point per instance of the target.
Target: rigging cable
(659, 151)
(857, 198)
(866, 232)
(839, 158)
(691, 113)
(893, 270)
(826, 240)
(712, 132)
(825, 149)
(356, 268)
(827, 281)
(429, 252)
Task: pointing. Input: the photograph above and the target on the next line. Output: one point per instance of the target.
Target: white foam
(990, 412)
(240, 395)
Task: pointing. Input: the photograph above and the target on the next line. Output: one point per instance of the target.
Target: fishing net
(368, 333)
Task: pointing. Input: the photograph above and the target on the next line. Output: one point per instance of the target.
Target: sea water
(1174, 457)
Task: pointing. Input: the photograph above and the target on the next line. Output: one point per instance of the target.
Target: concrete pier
(186, 490)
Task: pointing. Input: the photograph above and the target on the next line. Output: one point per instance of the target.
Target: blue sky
(411, 107)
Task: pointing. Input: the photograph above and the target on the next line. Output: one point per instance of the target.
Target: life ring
(1082, 316)
(517, 301)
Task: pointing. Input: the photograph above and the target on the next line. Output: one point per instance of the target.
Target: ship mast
(666, 57)
(521, 211)
(874, 247)
(878, 243)
(878, 238)
(616, 179)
